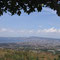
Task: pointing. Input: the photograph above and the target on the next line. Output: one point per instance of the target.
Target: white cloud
(59, 30)
(25, 31)
(50, 30)
(38, 31)
(31, 31)
(49, 10)
(11, 31)
(6, 30)
(3, 30)
(20, 31)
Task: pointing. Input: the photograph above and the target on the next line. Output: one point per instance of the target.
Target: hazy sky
(43, 24)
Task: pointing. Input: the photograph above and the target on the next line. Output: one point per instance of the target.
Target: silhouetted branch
(28, 6)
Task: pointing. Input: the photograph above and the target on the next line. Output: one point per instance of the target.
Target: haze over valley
(30, 42)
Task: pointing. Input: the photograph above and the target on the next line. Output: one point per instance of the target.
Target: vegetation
(28, 6)
(10, 54)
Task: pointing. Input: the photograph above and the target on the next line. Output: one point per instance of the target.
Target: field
(11, 54)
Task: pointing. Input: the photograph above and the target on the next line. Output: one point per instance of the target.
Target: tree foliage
(13, 54)
(28, 6)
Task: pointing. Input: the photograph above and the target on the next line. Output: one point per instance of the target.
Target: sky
(43, 24)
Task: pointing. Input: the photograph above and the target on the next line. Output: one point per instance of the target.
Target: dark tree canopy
(28, 6)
